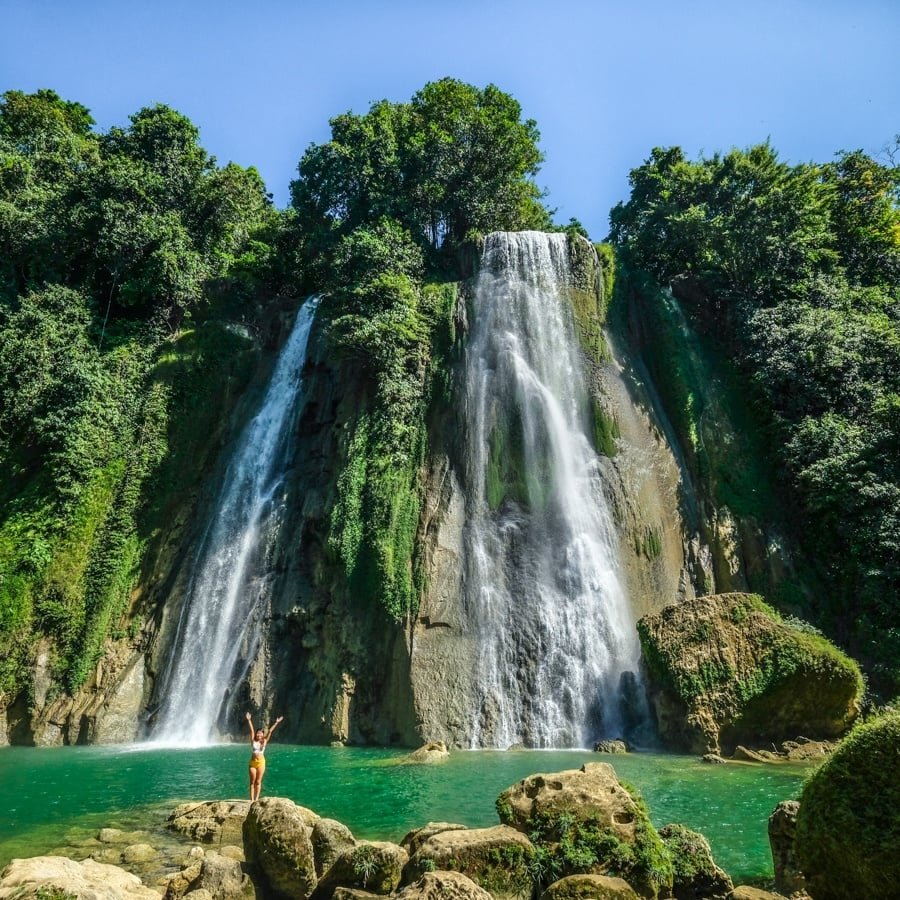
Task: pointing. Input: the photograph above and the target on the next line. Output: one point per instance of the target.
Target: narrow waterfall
(220, 618)
(544, 597)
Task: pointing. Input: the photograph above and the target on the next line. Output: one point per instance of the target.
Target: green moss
(649, 542)
(604, 429)
(848, 827)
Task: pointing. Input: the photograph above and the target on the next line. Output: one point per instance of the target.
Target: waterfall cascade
(219, 621)
(543, 594)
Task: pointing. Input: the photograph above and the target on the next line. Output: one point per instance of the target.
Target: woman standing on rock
(258, 741)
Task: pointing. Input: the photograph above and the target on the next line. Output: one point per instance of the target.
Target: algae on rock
(727, 669)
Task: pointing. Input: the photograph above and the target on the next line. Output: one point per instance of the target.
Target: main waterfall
(544, 596)
(220, 618)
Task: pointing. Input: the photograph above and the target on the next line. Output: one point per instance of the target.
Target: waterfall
(543, 593)
(220, 618)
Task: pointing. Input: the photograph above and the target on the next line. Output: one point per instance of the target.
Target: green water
(54, 796)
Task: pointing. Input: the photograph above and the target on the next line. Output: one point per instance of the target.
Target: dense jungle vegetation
(793, 272)
(134, 271)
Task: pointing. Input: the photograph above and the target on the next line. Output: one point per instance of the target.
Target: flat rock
(87, 880)
(211, 821)
(432, 752)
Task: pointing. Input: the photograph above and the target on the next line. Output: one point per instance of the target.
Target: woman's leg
(253, 779)
(259, 778)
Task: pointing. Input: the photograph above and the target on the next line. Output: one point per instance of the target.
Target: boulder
(714, 759)
(43, 876)
(373, 866)
(782, 832)
(442, 886)
(179, 883)
(696, 875)
(617, 746)
(117, 836)
(330, 839)
(414, 839)
(848, 823)
(726, 669)
(278, 846)
(223, 878)
(351, 893)
(210, 821)
(581, 817)
(495, 858)
(589, 887)
(432, 752)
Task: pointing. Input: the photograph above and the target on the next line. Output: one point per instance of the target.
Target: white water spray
(543, 590)
(220, 618)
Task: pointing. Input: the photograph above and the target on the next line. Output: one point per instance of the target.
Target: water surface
(52, 797)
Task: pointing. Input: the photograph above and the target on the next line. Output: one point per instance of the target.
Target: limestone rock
(442, 886)
(351, 893)
(278, 845)
(714, 758)
(117, 836)
(414, 839)
(373, 866)
(210, 821)
(223, 878)
(87, 880)
(782, 832)
(589, 887)
(330, 838)
(697, 877)
(432, 752)
(495, 858)
(179, 883)
(617, 746)
(559, 805)
(138, 853)
(726, 669)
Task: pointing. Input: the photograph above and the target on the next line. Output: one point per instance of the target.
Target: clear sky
(606, 81)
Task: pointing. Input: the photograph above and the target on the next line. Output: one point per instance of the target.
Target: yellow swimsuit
(257, 759)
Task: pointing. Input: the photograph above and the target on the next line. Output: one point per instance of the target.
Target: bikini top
(258, 747)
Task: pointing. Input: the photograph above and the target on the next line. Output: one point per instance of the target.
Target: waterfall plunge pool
(57, 796)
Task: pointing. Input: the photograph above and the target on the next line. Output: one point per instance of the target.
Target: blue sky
(605, 81)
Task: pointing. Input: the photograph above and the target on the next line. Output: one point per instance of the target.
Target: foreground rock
(278, 846)
(442, 886)
(495, 858)
(697, 877)
(211, 821)
(782, 835)
(330, 839)
(374, 866)
(848, 824)
(589, 887)
(415, 839)
(727, 670)
(49, 876)
(590, 823)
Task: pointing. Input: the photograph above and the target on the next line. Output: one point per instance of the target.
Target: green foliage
(454, 161)
(107, 243)
(790, 274)
(604, 429)
(848, 827)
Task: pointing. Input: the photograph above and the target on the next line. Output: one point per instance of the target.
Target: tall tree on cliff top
(454, 160)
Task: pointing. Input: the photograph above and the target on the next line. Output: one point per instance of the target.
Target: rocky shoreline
(579, 833)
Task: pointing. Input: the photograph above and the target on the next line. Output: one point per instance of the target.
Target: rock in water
(495, 858)
(697, 877)
(589, 887)
(432, 752)
(726, 669)
(278, 845)
(617, 746)
(47, 876)
(590, 811)
(848, 825)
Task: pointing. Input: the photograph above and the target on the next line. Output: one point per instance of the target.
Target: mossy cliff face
(726, 669)
(736, 532)
(848, 825)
